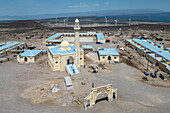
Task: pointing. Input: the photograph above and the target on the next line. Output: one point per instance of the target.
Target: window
(103, 57)
(80, 58)
(56, 62)
(115, 57)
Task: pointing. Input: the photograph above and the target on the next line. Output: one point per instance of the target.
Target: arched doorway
(70, 60)
(109, 57)
(108, 94)
(101, 97)
(25, 59)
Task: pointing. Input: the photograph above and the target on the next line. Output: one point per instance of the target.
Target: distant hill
(148, 14)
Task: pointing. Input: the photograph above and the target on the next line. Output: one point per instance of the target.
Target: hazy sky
(33, 7)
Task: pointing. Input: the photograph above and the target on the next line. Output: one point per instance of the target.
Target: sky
(34, 7)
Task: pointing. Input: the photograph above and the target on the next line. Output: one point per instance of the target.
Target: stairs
(72, 69)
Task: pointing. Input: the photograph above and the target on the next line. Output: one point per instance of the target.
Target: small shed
(100, 38)
(88, 47)
(108, 55)
(68, 83)
(29, 56)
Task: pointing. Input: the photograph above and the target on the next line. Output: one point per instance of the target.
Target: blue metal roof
(1, 44)
(30, 53)
(108, 51)
(165, 64)
(87, 46)
(168, 49)
(56, 50)
(153, 56)
(153, 48)
(100, 36)
(158, 44)
(55, 36)
(150, 41)
(13, 48)
(6, 46)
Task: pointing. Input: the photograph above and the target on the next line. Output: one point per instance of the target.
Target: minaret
(77, 44)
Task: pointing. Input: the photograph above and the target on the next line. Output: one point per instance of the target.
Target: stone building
(29, 56)
(108, 55)
(65, 54)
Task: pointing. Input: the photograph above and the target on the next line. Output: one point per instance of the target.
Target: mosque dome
(64, 44)
(77, 21)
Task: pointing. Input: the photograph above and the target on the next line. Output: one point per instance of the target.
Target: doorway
(25, 59)
(70, 60)
(109, 57)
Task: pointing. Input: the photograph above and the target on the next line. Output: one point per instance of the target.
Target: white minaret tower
(77, 43)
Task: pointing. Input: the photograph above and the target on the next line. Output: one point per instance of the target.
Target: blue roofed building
(62, 55)
(7, 46)
(153, 52)
(1, 44)
(167, 49)
(88, 47)
(100, 38)
(108, 55)
(57, 38)
(29, 56)
(159, 45)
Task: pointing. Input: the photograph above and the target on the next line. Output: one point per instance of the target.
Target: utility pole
(147, 69)
(5, 40)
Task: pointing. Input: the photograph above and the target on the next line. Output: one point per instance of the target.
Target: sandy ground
(19, 82)
(133, 95)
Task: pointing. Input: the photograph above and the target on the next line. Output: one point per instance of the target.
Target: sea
(3, 21)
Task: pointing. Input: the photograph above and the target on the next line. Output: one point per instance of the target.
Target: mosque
(66, 56)
(57, 38)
